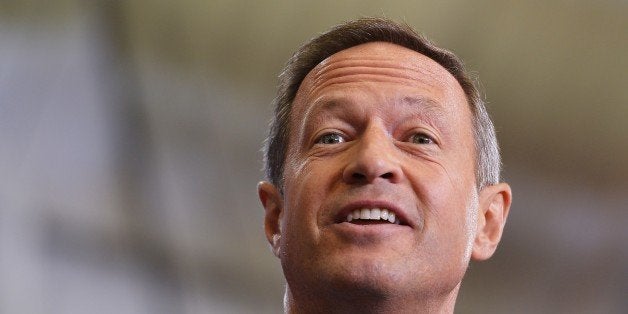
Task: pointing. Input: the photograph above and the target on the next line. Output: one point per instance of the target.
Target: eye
(330, 138)
(421, 138)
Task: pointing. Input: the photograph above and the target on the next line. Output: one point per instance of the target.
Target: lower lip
(368, 231)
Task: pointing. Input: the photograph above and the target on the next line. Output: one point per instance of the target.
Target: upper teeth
(372, 214)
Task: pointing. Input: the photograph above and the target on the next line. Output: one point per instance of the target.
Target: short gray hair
(361, 31)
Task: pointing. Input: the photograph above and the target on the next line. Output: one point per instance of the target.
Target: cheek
(300, 233)
(456, 223)
(306, 188)
(449, 205)
(471, 224)
(312, 177)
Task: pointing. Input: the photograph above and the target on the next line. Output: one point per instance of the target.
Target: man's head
(358, 32)
(372, 120)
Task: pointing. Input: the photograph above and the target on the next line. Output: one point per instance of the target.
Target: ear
(273, 205)
(495, 203)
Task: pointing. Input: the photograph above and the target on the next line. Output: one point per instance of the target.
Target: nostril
(358, 176)
(387, 175)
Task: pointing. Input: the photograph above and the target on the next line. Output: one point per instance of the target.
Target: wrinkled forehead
(379, 63)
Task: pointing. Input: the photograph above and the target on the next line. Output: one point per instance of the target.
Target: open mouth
(368, 216)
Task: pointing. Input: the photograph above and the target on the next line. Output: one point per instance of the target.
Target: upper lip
(350, 207)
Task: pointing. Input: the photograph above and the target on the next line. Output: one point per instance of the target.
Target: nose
(374, 157)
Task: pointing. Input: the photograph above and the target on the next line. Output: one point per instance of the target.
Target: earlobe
(495, 203)
(273, 206)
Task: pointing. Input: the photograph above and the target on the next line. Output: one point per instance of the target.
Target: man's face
(379, 127)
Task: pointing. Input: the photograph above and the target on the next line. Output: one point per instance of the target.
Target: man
(383, 173)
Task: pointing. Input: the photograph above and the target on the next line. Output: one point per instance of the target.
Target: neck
(364, 302)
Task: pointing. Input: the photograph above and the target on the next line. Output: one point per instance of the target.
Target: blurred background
(130, 134)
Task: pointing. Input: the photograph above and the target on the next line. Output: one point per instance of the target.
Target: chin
(367, 276)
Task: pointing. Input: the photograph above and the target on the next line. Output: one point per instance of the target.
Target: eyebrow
(323, 105)
(423, 104)
(425, 109)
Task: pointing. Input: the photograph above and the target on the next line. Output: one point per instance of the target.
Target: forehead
(385, 67)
